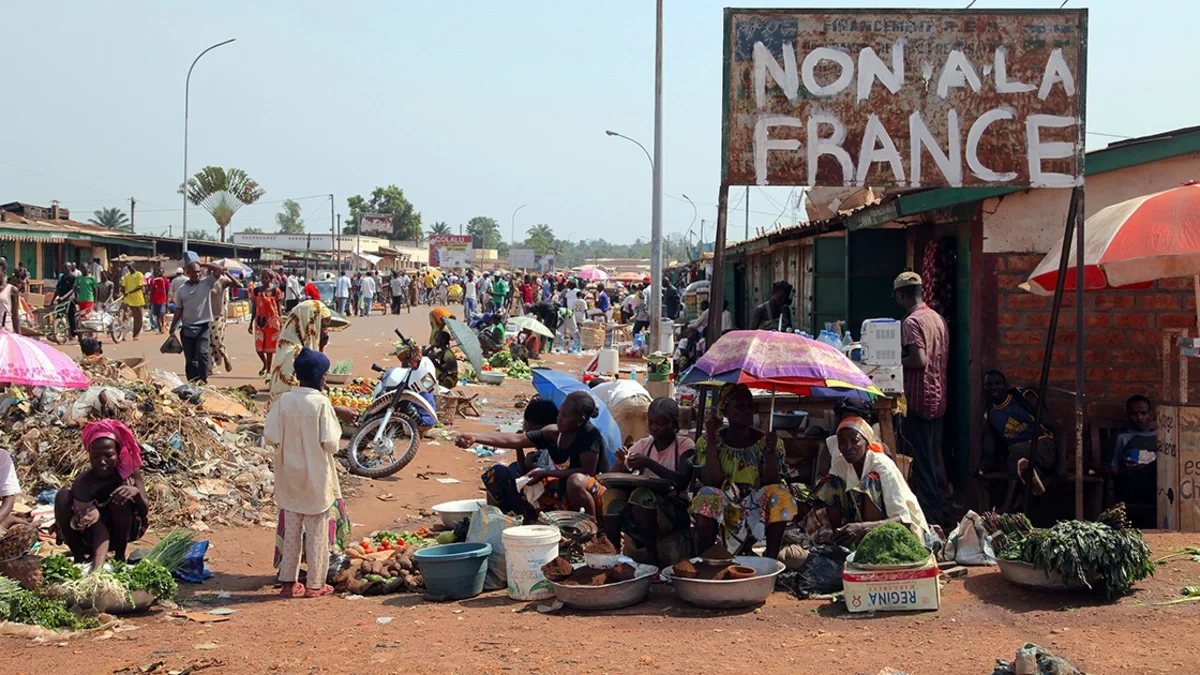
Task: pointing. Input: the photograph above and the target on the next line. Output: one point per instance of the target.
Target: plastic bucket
(455, 571)
(526, 549)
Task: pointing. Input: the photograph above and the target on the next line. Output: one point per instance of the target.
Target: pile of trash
(202, 446)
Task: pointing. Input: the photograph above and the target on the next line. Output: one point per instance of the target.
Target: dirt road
(982, 616)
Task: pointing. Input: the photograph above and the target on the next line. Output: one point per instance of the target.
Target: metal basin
(141, 600)
(729, 593)
(608, 596)
(1023, 574)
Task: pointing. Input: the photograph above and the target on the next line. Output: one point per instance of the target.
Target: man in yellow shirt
(133, 291)
(429, 283)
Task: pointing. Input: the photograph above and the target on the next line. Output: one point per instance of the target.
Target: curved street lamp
(610, 132)
(187, 90)
(512, 232)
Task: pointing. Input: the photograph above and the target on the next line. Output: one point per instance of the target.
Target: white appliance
(880, 342)
(889, 379)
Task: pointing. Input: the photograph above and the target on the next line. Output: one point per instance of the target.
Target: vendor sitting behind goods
(647, 514)
(500, 481)
(106, 507)
(574, 447)
(742, 496)
(445, 363)
(1010, 440)
(863, 489)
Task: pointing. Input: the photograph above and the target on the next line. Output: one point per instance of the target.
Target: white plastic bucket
(666, 337)
(608, 361)
(526, 549)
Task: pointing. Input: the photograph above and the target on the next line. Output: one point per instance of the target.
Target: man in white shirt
(293, 293)
(470, 296)
(341, 292)
(367, 293)
(398, 289)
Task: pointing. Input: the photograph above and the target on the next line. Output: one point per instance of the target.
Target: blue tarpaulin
(554, 386)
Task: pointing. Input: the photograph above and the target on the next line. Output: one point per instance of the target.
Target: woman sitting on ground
(742, 495)
(106, 507)
(445, 363)
(648, 514)
(863, 489)
(574, 447)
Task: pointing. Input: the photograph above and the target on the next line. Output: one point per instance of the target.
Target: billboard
(904, 97)
(375, 224)
(521, 258)
(450, 250)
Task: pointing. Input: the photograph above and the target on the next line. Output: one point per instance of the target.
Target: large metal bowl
(452, 513)
(608, 596)
(1023, 574)
(141, 600)
(729, 593)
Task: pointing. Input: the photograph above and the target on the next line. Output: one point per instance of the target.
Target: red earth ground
(982, 616)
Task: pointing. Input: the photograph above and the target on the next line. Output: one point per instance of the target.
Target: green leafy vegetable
(343, 367)
(21, 606)
(172, 550)
(519, 370)
(890, 544)
(57, 569)
(151, 576)
(501, 359)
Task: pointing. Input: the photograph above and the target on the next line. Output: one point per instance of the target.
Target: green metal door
(29, 256)
(828, 299)
(876, 257)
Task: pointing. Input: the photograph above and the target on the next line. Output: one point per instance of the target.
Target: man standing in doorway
(341, 292)
(775, 313)
(924, 354)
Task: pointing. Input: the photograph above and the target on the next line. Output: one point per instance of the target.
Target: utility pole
(333, 233)
(747, 235)
(132, 206)
(656, 252)
(341, 258)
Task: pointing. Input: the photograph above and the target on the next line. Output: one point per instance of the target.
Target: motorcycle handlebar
(376, 367)
(401, 335)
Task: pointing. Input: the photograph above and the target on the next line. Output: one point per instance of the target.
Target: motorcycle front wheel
(397, 446)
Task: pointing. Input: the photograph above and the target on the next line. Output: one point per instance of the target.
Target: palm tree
(112, 218)
(440, 227)
(222, 192)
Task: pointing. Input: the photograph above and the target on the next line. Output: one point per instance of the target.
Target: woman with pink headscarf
(106, 507)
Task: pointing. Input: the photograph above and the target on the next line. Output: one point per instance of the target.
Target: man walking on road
(924, 355)
(470, 296)
(292, 292)
(194, 317)
(367, 293)
(398, 287)
(341, 292)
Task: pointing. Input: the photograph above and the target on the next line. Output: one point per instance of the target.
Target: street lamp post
(650, 159)
(187, 90)
(512, 232)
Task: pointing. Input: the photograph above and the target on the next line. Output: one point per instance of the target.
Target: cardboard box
(889, 379)
(893, 590)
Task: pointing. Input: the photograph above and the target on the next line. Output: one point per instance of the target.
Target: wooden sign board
(1188, 493)
(1167, 514)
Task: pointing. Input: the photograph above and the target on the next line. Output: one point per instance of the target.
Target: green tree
(112, 218)
(540, 238)
(484, 231)
(252, 230)
(222, 192)
(201, 235)
(440, 227)
(289, 220)
(406, 221)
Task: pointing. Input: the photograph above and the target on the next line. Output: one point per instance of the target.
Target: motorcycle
(110, 319)
(389, 430)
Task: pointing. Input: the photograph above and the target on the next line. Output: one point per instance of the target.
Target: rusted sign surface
(905, 98)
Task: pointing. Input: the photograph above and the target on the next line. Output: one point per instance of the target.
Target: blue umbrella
(554, 386)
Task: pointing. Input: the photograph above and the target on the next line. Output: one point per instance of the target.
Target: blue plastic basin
(455, 571)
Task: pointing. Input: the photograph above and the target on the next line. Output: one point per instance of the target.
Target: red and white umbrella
(29, 362)
(592, 274)
(1130, 244)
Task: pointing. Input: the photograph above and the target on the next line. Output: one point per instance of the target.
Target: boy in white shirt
(304, 429)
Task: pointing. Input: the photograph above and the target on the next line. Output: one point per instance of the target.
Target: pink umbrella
(29, 362)
(592, 274)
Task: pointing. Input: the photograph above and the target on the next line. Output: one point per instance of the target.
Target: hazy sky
(473, 108)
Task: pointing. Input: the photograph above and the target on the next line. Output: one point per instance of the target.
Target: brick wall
(1123, 333)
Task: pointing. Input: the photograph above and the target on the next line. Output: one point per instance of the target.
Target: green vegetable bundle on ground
(890, 544)
(501, 359)
(1081, 551)
(519, 370)
(28, 607)
(57, 569)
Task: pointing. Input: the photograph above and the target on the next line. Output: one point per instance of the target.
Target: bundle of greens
(501, 359)
(115, 586)
(21, 606)
(890, 544)
(343, 367)
(519, 370)
(1080, 551)
(57, 569)
(171, 551)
